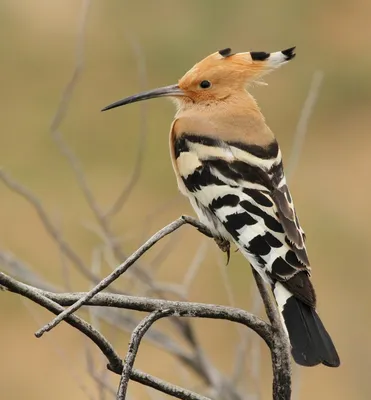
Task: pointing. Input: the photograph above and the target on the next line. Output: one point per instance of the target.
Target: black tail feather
(310, 342)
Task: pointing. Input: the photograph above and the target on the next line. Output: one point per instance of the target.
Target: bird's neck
(237, 118)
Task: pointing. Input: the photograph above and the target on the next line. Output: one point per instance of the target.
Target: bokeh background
(330, 184)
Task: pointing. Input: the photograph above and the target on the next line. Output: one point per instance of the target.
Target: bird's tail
(310, 342)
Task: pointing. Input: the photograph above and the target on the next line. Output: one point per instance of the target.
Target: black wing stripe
(272, 240)
(282, 268)
(270, 222)
(259, 246)
(205, 140)
(180, 146)
(239, 171)
(258, 196)
(201, 177)
(230, 200)
(292, 259)
(266, 153)
(235, 222)
(287, 218)
(256, 208)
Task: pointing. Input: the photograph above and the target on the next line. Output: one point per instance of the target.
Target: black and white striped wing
(240, 191)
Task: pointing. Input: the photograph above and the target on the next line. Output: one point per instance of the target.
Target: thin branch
(60, 114)
(281, 365)
(122, 321)
(249, 342)
(194, 266)
(270, 308)
(74, 162)
(68, 91)
(48, 224)
(115, 362)
(23, 271)
(122, 268)
(170, 389)
(134, 344)
(144, 304)
(164, 253)
(102, 383)
(279, 347)
(126, 322)
(142, 72)
(38, 297)
(302, 127)
(58, 348)
(103, 219)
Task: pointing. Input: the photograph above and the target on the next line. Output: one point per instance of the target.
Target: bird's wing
(243, 188)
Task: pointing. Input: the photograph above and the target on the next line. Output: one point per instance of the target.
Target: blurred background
(132, 46)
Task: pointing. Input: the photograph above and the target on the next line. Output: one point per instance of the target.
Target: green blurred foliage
(330, 184)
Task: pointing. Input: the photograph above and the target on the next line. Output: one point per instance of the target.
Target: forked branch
(272, 333)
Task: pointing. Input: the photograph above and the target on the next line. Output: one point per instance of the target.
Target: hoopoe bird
(229, 165)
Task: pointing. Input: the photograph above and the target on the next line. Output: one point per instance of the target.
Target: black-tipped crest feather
(259, 55)
(289, 53)
(225, 52)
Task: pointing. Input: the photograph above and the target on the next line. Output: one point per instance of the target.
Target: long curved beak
(172, 90)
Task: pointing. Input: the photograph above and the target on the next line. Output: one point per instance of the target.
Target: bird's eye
(205, 84)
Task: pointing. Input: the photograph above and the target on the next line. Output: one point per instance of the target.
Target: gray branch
(273, 334)
(115, 362)
(134, 344)
(123, 267)
(38, 297)
(279, 346)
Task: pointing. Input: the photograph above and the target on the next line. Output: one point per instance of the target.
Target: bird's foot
(224, 245)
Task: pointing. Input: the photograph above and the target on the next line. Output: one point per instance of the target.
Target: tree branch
(122, 268)
(115, 363)
(48, 224)
(38, 297)
(302, 126)
(144, 304)
(134, 344)
(142, 73)
(279, 347)
(162, 386)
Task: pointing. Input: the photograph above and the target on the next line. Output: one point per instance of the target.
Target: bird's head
(217, 77)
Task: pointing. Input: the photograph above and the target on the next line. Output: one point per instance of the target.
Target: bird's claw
(225, 246)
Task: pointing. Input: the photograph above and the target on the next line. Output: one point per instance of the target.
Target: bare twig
(60, 114)
(134, 344)
(126, 322)
(102, 218)
(142, 72)
(270, 308)
(75, 374)
(123, 267)
(38, 297)
(23, 271)
(115, 362)
(302, 127)
(194, 266)
(68, 90)
(280, 347)
(144, 304)
(102, 383)
(165, 387)
(273, 335)
(48, 224)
